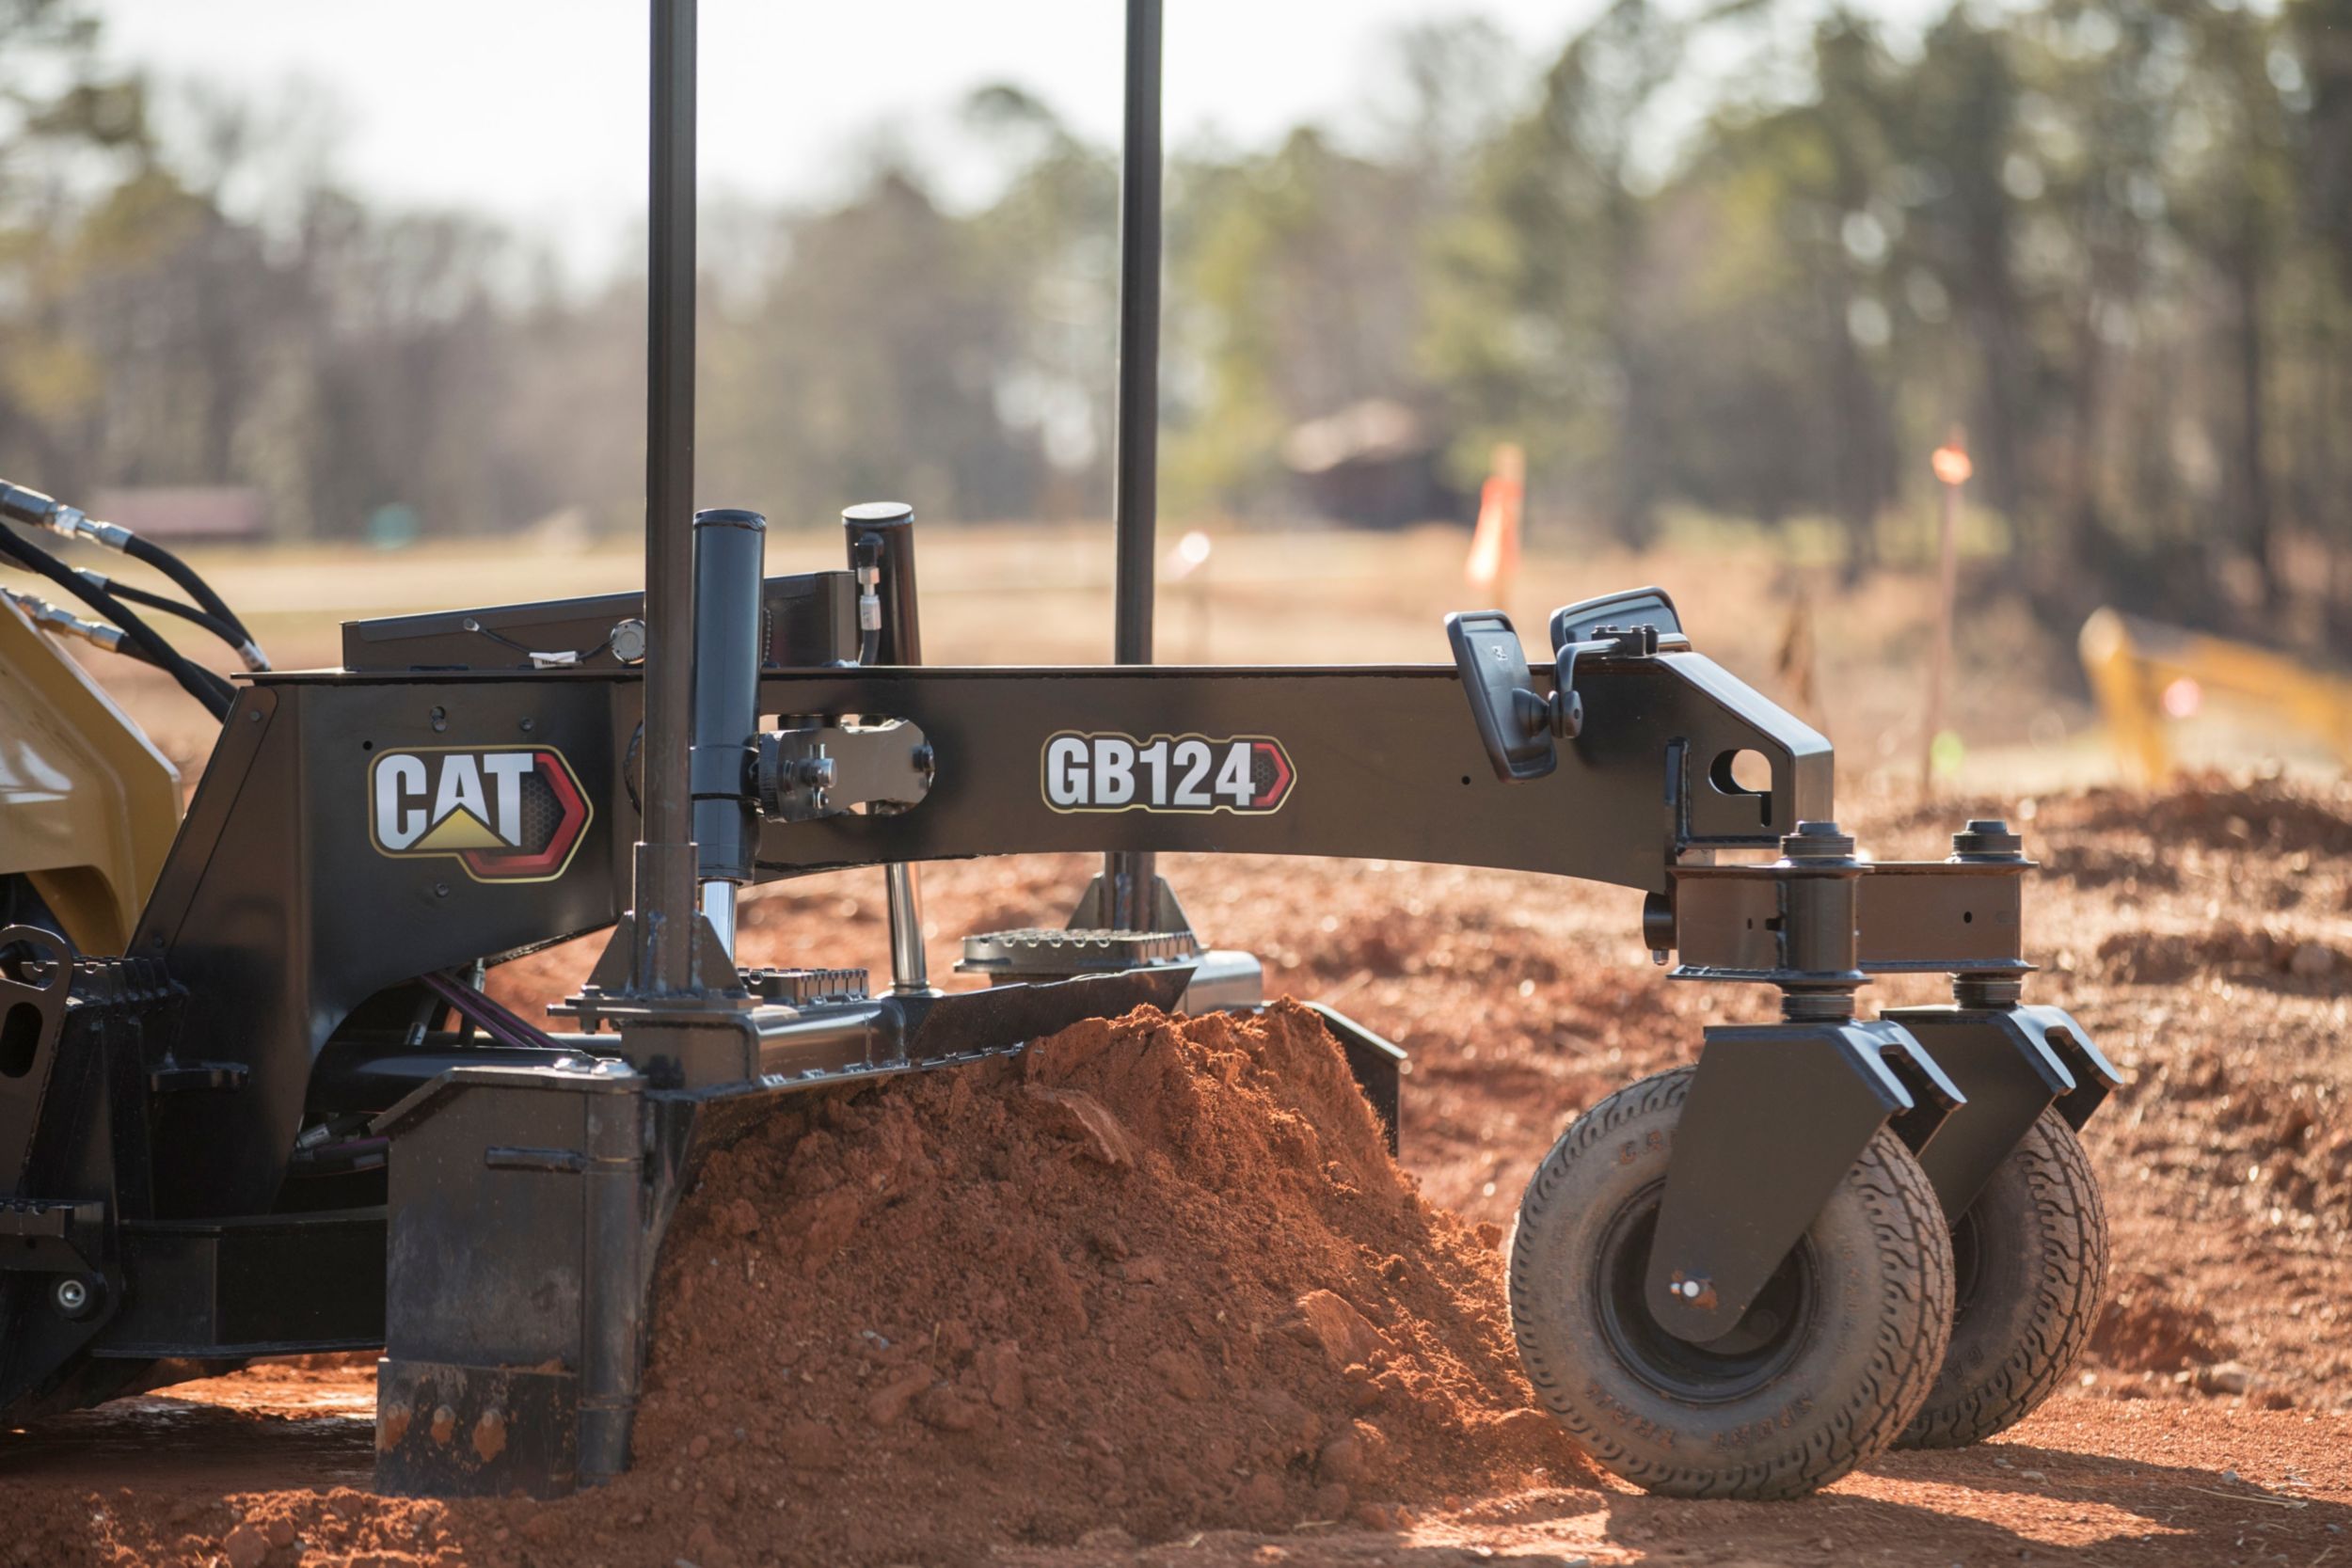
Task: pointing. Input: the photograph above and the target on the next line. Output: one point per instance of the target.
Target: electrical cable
(540, 658)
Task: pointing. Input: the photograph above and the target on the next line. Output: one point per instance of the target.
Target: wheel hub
(1750, 1354)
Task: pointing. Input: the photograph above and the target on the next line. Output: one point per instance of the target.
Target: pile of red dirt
(1155, 1275)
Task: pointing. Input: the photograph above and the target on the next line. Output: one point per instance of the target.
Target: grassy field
(1018, 595)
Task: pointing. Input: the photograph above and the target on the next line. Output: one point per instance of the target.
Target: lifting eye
(1744, 772)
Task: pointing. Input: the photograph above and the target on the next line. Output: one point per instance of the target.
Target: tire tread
(2070, 1284)
(1911, 1335)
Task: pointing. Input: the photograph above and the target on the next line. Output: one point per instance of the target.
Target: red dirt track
(1152, 1293)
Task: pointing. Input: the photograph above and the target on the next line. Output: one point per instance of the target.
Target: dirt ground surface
(1153, 1293)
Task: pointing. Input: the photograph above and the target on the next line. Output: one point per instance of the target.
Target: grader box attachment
(277, 1112)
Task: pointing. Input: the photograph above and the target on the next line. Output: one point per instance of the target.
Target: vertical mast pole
(1130, 878)
(664, 890)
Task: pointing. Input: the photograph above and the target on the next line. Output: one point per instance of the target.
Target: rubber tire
(1863, 1361)
(2022, 1314)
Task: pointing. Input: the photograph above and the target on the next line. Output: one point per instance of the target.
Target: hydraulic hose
(33, 509)
(866, 553)
(61, 622)
(128, 594)
(178, 571)
(208, 688)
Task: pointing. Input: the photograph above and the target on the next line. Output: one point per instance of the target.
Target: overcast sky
(536, 107)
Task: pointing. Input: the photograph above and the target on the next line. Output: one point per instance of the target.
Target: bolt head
(72, 1295)
(1988, 838)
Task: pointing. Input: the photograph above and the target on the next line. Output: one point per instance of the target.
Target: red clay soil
(1151, 1277)
(2202, 934)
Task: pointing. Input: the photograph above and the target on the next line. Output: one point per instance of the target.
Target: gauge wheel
(2029, 1261)
(1821, 1373)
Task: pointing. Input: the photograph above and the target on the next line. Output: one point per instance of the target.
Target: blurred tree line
(2112, 238)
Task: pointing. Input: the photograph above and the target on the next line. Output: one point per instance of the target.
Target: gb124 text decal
(1250, 774)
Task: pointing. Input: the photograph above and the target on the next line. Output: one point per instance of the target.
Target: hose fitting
(64, 623)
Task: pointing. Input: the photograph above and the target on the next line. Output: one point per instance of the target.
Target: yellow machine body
(88, 805)
(2129, 662)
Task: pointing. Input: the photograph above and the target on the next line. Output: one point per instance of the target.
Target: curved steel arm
(1386, 762)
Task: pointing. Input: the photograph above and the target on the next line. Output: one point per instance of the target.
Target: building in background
(187, 514)
(1374, 463)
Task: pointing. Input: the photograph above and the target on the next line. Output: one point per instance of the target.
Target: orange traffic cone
(1494, 554)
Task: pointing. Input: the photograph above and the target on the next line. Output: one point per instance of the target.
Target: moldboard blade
(962, 1022)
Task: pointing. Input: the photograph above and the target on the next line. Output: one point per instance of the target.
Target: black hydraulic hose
(178, 571)
(865, 555)
(33, 509)
(208, 688)
(165, 603)
(216, 694)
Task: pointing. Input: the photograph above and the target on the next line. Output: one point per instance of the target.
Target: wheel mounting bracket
(2011, 1064)
(1775, 1117)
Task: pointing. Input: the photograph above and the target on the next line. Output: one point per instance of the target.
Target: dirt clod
(247, 1547)
(2228, 1377)
(1329, 1322)
(894, 1398)
(1181, 1371)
